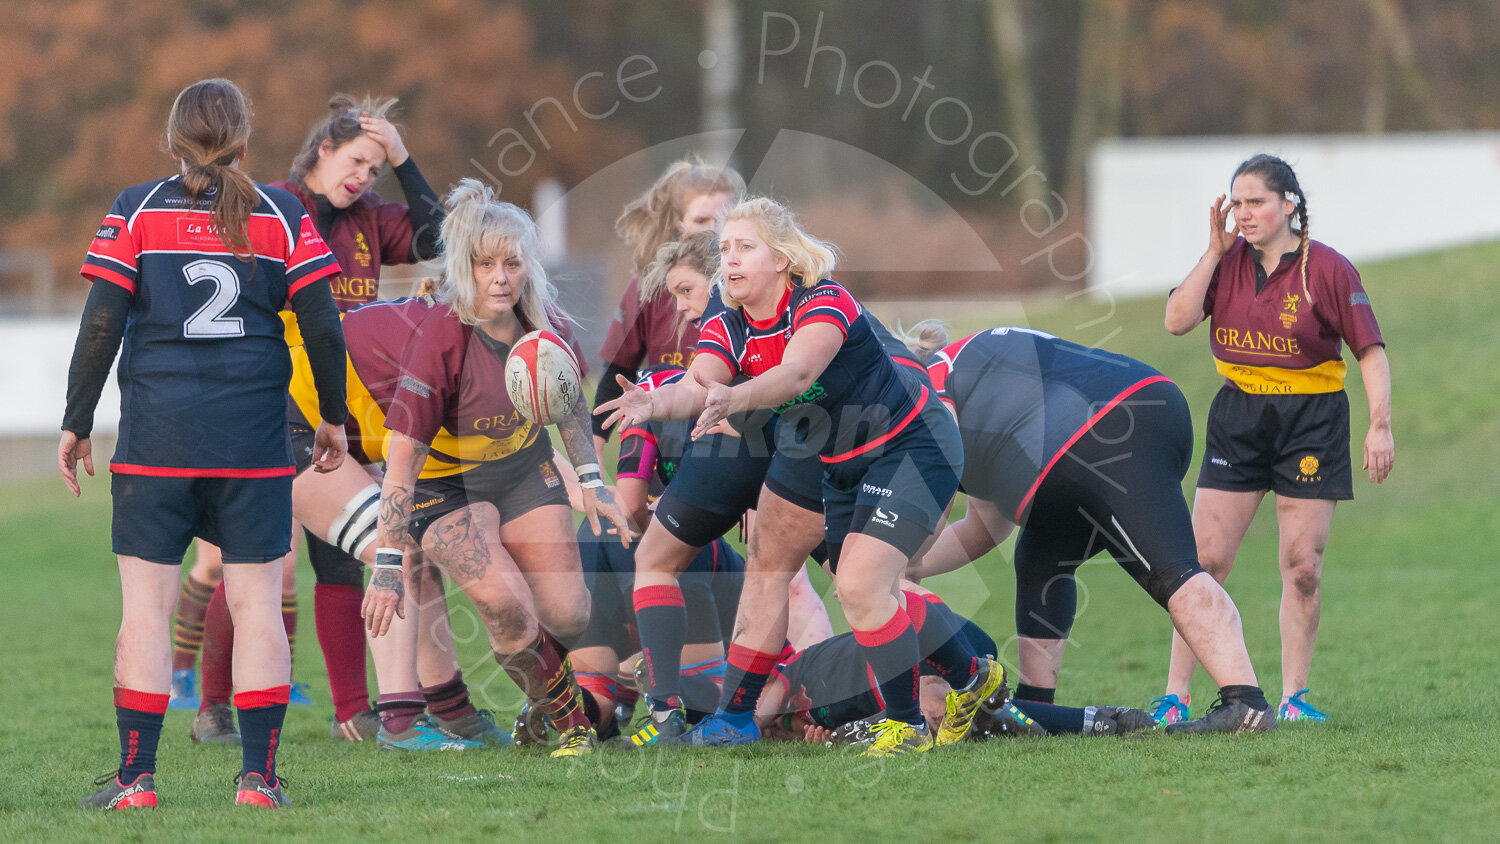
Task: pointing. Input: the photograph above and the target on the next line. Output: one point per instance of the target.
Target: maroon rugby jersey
(441, 382)
(1273, 341)
(643, 335)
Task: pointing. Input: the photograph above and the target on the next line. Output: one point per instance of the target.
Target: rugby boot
(1169, 709)
(1297, 709)
(364, 726)
(898, 738)
(1228, 716)
(668, 730)
(478, 726)
(215, 725)
(115, 795)
(253, 790)
(576, 741)
(1120, 721)
(963, 703)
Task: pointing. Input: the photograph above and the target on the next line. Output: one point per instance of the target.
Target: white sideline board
(1370, 197)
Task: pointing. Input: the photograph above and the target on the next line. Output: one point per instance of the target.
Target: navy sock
(979, 641)
(661, 622)
(139, 734)
(744, 678)
(892, 656)
(943, 647)
(1040, 694)
(1056, 719)
(260, 730)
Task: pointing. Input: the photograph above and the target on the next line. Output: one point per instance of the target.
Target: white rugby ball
(542, 378)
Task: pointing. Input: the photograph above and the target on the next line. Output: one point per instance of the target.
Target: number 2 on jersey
(209, 320)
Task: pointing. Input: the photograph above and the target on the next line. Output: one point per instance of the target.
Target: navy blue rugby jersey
(1023, 397)
(861, 398)
(205, 367)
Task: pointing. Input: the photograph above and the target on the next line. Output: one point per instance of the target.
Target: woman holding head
(333, 175)
(195, 269)
(469, 480)
(806, 350)
(647, 330)
(1280, 307)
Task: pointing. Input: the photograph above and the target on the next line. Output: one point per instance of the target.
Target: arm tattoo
(395, 505)
(577, 434)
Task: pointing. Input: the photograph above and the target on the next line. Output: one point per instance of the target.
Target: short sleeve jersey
(646, 334)
(857, 403)
(205, 368)
(1271, 341)
(441, 382)
(364, 237)
(1023, 397)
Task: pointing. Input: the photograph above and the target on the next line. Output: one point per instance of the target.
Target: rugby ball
(542, 378)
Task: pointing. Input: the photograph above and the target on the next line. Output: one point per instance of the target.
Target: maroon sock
(187, 628)
(547, 679)
(289, 621)
(399, 710)
(449, 701)
(341, 634)
(218, 651)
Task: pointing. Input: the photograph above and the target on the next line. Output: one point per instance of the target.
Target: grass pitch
(1407, 664)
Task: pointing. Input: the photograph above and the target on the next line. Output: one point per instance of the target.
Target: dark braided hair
(1280, 179)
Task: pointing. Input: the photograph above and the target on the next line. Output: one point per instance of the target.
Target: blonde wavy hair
(478, 226)
(698, 251)
(810, 260)
(924, 339)
(651, 219)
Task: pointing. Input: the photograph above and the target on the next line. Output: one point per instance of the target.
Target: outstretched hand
(716, 406)
(598, 502)
(632, 407)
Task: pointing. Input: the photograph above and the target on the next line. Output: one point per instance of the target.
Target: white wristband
(397, 551)
(386, 566)
(586, 468)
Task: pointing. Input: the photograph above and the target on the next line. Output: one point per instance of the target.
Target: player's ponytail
(1281, 179)
(207, 131)
(924, 339)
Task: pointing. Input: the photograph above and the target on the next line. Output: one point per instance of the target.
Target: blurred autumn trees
(85, 85)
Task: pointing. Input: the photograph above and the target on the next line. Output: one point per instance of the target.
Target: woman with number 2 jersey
(191, 272)
(800, 339)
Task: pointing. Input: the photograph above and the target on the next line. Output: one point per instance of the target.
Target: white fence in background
(1368, 196)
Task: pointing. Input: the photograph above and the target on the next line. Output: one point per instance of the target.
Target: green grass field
(1407, 664)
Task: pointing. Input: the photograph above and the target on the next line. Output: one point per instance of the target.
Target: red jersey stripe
(182, 472)
(883, 438)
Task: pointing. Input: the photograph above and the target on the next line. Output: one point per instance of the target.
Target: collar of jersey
(770, 322)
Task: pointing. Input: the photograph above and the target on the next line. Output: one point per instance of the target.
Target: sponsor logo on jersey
(1259, 342)
(422, 505)
(107, 233)
(195, 231)
(1360, 298)
(412, 385)
(1219, 461)
(871, 489)
(812, 394)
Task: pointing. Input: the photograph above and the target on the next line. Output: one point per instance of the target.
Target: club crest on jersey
(549, 475)
(1289, 310)
(361, 250)
(1307, 470)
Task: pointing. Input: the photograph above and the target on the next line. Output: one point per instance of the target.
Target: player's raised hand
(384, 132)
(70, 450)
(1220, 238)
